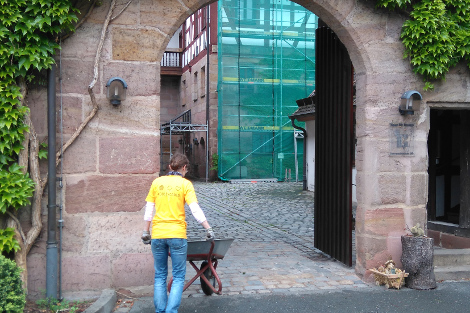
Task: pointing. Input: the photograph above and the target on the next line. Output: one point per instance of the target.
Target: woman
(167, 196)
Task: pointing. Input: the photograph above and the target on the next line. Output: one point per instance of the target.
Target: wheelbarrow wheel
(208, 274)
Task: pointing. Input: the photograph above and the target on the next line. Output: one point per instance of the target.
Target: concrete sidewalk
(447, 297)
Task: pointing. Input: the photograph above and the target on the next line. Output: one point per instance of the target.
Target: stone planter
(417, 259)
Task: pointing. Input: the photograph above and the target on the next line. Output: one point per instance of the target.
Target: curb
(105, 303)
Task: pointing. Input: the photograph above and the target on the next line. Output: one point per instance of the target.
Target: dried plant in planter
(417, 231)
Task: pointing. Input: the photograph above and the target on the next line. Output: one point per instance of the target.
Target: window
(203, 81)
(195, 87)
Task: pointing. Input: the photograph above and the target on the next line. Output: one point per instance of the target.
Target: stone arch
(372, 38)
(118, 152)
(339, 15)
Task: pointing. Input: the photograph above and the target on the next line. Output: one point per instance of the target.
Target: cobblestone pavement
(273, 251)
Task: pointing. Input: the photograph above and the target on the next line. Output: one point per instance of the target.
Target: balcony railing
(171, 63)
(171, 59)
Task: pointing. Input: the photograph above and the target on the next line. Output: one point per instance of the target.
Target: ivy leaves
(7, 240)
(392, 4)
(436, 37)
(427, 39)
(27, 41)
(16, 188)
(29, 31)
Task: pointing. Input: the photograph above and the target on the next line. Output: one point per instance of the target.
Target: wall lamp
(406, 105)
(117, 89)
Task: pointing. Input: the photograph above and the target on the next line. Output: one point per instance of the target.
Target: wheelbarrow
(209, 252)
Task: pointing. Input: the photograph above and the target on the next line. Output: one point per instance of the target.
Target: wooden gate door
(334, 147)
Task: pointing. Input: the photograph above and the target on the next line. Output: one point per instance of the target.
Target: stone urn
(417, 259)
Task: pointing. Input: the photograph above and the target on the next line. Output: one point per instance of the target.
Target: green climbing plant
(29, 38)
(16, 188)
(436, 36)
(8, 243)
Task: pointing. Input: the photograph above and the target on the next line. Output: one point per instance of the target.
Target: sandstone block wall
(391, 190)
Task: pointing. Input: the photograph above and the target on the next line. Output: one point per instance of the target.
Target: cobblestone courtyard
(273, 252)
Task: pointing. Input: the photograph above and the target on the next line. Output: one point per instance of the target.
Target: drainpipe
(304, 175)
(51, 252)
(207, 89)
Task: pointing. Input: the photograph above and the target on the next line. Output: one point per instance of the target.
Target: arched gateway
(108, 170)
(371, 38)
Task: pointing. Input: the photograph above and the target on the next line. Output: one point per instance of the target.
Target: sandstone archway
(372, 40)
(107, 171)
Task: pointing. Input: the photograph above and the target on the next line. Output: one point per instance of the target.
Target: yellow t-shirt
(169, 193)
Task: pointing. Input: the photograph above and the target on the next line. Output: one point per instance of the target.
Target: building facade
(189, 88)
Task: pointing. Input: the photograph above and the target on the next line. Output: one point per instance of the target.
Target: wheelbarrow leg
(199, 273)
(209, 264)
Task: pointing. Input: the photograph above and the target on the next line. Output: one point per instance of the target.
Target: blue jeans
(178, 249)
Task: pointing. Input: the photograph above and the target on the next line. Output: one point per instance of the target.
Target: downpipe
(207, 88)
(304, 172)
(51, 251)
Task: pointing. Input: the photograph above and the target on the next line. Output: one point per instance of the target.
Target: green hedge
(12, 294)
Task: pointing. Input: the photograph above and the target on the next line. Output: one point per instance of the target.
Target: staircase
(451, 264)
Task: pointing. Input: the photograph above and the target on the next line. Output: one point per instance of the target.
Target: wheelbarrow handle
(209, 255)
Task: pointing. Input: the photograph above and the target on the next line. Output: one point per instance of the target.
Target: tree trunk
(26, 242)
(417, 259)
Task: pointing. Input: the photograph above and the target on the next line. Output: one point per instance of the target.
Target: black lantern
(117, 89)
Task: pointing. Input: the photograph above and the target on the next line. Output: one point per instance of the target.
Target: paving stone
(273, 251)
(254, 287)
(247, 292)
(197, 295)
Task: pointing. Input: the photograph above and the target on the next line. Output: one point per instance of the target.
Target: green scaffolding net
(266, 55)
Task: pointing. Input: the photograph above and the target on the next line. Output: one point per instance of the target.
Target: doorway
(449, 146)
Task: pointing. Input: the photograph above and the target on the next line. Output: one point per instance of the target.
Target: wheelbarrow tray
(199, 250)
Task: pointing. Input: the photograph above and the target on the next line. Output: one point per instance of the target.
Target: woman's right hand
(146, 237)
(210, 234)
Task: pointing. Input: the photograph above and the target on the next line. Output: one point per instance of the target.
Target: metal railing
(171, 59)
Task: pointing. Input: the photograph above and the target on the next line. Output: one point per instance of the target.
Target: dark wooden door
(449, 171)
(334, 147)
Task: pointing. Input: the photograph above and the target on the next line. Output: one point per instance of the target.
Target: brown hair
(177, 161)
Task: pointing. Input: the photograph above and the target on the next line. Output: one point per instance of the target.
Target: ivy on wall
(436, 35)
(8, 243)
(29, 36)
(28, 40)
